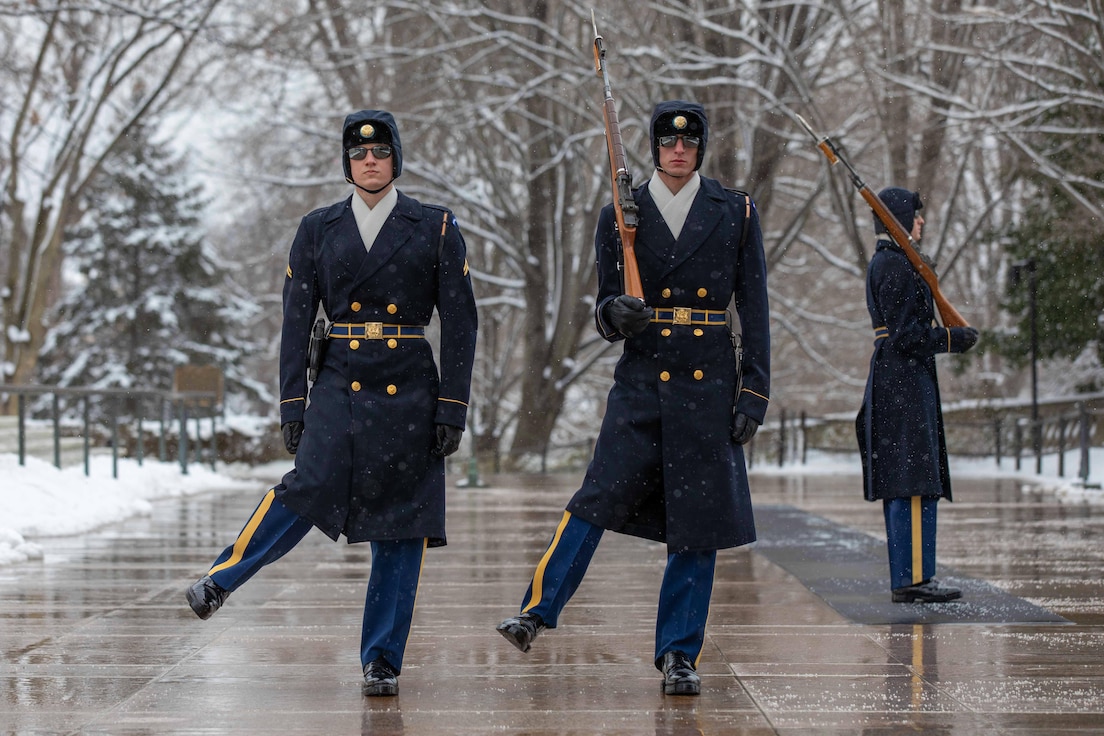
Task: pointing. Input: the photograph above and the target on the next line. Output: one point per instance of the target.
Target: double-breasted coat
(364, 466)
(665, 466)
(900, 424)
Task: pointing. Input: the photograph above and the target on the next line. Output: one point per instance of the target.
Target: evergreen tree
(1065, 246)
(144, 292)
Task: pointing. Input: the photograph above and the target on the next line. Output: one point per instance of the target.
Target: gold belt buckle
(373, 330)
(682, 316)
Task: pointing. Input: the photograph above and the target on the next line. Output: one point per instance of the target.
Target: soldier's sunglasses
(360, 152)
(690, 141)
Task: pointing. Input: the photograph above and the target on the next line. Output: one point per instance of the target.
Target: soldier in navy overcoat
(669, 462)
(900, 424)
(371, 435)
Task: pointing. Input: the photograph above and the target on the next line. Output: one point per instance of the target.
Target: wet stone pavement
(98, 639)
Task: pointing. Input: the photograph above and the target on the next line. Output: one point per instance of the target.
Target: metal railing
(1001, 431)
(163, 408)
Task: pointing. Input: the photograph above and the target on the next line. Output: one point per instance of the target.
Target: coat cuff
(753, 404)
(452, 412)
(292, 410)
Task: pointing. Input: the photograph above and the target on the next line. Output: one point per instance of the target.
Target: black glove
(964, 338)
(448, 440)
(743, 428)
(293, 432)
(629, 315)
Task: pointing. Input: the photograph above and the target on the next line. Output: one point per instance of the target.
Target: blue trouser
(910, 538)
(683, 596)
(273, 530)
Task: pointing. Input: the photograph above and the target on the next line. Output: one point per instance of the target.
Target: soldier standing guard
(370, 444)
(669, 462)
(900, 424)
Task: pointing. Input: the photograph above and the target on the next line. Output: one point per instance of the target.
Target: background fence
(1003, 430)
(131, 423)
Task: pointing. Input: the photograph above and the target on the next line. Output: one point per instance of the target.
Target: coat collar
(396, 231)
(704, 216)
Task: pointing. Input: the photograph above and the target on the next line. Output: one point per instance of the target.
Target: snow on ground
(38, 501)
(1067, 488)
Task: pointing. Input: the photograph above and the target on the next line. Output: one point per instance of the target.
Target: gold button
(392, 389)
(392, 343)
(664, 376)
(666, 332)
(702, 292)
(698, 375)
(698, 332)
(355, 306)
(354, 344)
(391, 308)
(666, 293)
(355, 385)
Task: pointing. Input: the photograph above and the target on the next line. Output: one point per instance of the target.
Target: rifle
(623, 203)
(947, 314)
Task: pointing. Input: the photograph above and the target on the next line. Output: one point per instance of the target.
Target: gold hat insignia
(367, 130)
(679, 122)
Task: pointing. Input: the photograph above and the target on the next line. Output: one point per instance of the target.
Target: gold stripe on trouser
(538, 576)
(246, 536)
(917, 543)
(417, 588)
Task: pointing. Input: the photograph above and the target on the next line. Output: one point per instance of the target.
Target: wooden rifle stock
(947, 313)
(620, 180)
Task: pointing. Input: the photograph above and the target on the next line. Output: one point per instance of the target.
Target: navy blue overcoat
(665, 467)
(900, 424)
(364, 467)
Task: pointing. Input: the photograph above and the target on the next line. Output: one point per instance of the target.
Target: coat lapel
(702, 219)
(392, 236)
(343, 238)
(656, 236)
(705, 213)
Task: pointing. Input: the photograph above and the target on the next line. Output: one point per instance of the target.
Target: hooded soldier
(668, 465)
(371, 435)
(900, 424)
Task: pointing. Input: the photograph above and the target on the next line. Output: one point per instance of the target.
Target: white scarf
(674, 207)
(370, 220)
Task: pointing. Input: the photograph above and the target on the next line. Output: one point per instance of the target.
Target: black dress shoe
(379, 678)
(679, 677)
(206, 596)
(929, 591)
(521, 630)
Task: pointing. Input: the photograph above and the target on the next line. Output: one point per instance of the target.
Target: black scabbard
(738, 352)
(316, 351)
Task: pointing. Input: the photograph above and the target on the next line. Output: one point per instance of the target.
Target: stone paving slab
(846, 568)
(97, 638)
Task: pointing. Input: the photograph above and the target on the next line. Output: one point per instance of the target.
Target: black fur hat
(903, 203)
(370, 127)
(679, 117)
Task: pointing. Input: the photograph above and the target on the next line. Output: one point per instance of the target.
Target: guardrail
(169, 408)
(1001, 430)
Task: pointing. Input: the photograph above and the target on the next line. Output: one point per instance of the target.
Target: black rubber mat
(849, 570)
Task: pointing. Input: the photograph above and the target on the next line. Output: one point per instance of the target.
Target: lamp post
(1027, 266)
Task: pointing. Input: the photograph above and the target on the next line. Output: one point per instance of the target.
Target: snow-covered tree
(499, 109)
(77, 76)
(144, 292)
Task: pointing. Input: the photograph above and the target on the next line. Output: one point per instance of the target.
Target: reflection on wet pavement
(97, 638)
